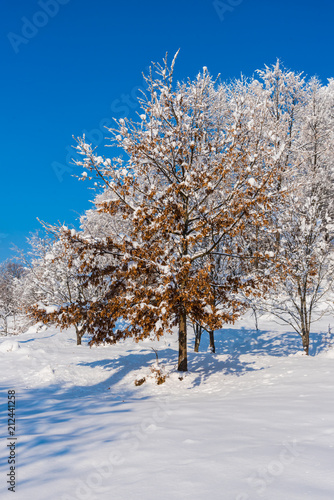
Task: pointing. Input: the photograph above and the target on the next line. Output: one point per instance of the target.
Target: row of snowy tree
(221, 200)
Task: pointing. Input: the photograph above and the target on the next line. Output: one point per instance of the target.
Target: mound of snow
(9, 345)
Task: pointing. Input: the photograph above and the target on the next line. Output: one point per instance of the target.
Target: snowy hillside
(253, 421)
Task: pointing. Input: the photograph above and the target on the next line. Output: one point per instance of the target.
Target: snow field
(254, 421)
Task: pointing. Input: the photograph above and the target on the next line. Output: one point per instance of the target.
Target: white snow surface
(253, 421)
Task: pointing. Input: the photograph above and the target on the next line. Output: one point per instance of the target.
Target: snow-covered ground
(253, 421)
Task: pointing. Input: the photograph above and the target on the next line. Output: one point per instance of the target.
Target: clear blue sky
(66, 71)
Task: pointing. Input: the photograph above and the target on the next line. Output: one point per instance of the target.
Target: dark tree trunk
(198, 334)
(256, 319)
(79, 335)
(305, 323)
(182, 365)
(306, 342)
(212, 341)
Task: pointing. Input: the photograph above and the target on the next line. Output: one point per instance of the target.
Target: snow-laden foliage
(53, 281)
(305, 227)
(200, 168)
(10, 274)
(220, 200)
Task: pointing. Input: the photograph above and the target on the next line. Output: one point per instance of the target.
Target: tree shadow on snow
(127, 365)
(234, 343)
(262, 342)
(52, 425)
(208, 364)
(230, 342)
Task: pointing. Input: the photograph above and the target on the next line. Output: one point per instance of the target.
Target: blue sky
(69, 66)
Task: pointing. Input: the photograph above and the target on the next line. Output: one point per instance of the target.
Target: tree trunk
(306, 341)
(79, 335)
(182, 365)
(212, 341)
(198, 334)
(256, 319)
(305, 324)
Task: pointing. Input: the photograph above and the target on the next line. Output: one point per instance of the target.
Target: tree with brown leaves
(196, 170)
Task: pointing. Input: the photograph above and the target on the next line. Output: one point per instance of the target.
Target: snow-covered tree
(305, 227)
(10, 273)
(53, 280)
(198, 170)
